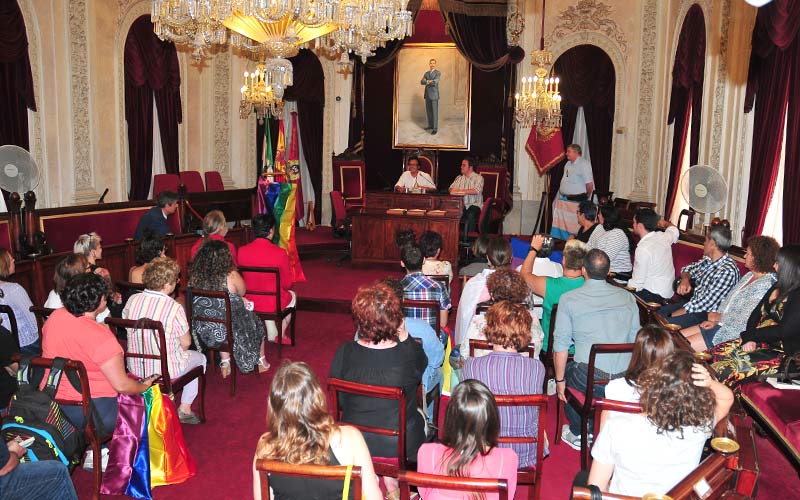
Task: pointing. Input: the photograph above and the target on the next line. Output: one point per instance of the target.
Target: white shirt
(54, 302)
(653, 268)
(474, 292)
(644, 460)
(620, 390)
(577, 174)
(410, 182)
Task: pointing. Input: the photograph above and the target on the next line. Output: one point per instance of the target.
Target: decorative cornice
(79, 81)
(647, 84)
(588, 16)
(222, 111)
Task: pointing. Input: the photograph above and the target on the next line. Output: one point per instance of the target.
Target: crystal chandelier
(281, 38)
(539, 103)
(365, 25)
(196, 23)
(262, 90)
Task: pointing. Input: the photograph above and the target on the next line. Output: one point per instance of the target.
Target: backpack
(35, 413)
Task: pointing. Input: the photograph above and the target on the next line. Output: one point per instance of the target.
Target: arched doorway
(587, 85)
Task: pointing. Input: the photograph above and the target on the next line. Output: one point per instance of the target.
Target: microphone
(103, 197)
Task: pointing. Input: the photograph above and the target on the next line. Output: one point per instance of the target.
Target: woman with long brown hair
(301, 431)
(469, 443)
(651, 346)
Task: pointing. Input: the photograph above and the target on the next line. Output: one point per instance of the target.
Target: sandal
(262, 364)
(225, 367)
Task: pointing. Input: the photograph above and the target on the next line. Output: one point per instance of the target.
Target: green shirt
(554, 289)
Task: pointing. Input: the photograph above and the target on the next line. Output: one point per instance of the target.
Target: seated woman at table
(151, 247)
(731, 319)
(215, 227)
(469, 444)
(651, 452)
(301, 431)
(14, 296)
(378, 358)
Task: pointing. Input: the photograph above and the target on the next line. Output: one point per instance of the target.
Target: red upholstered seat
(165, 182)
(495, 185)
(214, 181)
(780, 409)
(348, 179)
(685, 252)
(192, 180)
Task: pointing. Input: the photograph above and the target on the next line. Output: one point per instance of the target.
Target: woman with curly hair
(505, 371)
(651, 346)
(213, 269)
(469, 444)
(652, 451)
(151, 247)
(379, 358)
(301, 431)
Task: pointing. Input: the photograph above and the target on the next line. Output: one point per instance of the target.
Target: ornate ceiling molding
(81, 113)
(588, 16)
(647, 85)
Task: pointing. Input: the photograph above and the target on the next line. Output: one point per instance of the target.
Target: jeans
(648, 296)
(45, 480)
(469, 219)
(685, 320)
(34, 349)
(576, 376)
(104, 408)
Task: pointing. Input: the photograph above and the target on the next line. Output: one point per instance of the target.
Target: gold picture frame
(411, 115)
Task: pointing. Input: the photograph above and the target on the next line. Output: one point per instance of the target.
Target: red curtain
(151, 69)
(16, 81)
(774, 87)
(687, 97)
(588, 79)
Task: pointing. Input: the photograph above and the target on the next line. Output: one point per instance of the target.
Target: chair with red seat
(342, 225)
(214, 181)
(528, 475)
(308, 471)
(165, 182)
(249, 273)
(407, 479)
(350, 181)
(432, 306)
(193, 181)
(485, 219)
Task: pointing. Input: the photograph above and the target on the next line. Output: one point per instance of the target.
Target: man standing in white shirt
(413, 179)
(653, 268)
(577, 185)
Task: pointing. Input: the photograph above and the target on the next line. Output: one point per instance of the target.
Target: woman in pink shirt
(469, 444)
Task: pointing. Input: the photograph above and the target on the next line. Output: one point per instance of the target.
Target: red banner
(546, 149)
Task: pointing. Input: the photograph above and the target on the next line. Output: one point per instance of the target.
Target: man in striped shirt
(469, 185)
(714, 276)
(417, 286)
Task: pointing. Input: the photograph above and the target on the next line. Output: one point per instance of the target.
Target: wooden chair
(128, 287)
(342, 224)
(603, 404)
(226, 321)
(41, 313)
(384, 466)
(475, 344)
(622, 203)
(642, 204)
(603, 197)
(432, 305)
(408, 479)
(584, 402)
(674, 330)
(12, 323)
(165, 182)
(528, 475)
(484, 220)
(170, 385)
(192, 180)
(581, 493)
(325, 472)
(713, 475)
(280, 312)
(214, 181)
(689, 214)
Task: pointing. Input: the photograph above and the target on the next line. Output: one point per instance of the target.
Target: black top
(154, 220)
(786, 329)
(301, 488)
(583, 235)
(8, 384)
(398, 366)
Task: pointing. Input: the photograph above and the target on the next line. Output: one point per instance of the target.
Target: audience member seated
(379, 358)
(477, 257)
(469, 444)
(772, 329)
(72, 332)
(587, 220)
(155, 303)
(498, 256)
(505, 284)
(69, 266)
(215, 227)
(420, 329)
(549, 288)
(91, 246)
(469, 185)
(710, 279)
(215, 271)
(506, 371)
(155, 219)
(417, 286)
(151, 247)
(8, 369)
(33, 480)
(731, 318)
(595, 313)
(652, 451)
(653, 269)
(651, 346)
(431, 245)
(301, 430)
(612, 238)
(261, 252)
(14, 296)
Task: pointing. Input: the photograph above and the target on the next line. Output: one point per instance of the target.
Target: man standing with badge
(577, 185)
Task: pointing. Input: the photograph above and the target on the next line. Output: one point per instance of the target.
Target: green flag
(268, 156)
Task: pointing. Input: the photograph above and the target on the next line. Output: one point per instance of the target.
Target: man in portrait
(431, 81)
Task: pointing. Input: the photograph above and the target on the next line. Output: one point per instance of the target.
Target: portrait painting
(431, 97)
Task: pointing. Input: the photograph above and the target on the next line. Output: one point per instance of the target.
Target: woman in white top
(652, 451)
(614, 240)
(431, 245)
(69, 266)
(14, 296)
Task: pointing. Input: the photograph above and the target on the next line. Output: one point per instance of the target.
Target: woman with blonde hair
(301, 431)
(215, 227)
(91, 246)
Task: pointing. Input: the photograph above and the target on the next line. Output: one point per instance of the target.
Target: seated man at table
(417, 286)
(155, 219)
(469, 185)
(413, 179)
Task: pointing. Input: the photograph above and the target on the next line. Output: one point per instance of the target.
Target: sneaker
(188, 418)
(88, 463)
(571, 439)
(551, 387)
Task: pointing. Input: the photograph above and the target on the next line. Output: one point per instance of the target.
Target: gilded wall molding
(328, 125)
(222, 111)
(646, 105)
(719, 87)
(80, 104)
(588, 16)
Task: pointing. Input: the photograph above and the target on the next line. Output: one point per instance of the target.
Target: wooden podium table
(374, 228)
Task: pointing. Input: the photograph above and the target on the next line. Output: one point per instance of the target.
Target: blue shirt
(577, 174)
(596, 313)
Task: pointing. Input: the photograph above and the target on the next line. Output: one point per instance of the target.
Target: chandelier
(538, 103)
(196, 23)
(262, 90)
(365, 25)
(260, 38)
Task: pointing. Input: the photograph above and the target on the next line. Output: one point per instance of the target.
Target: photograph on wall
(431, 97)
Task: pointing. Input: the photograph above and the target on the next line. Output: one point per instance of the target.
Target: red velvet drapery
(16, 81)
(687, 97)
(774, 87)
(151, 68)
